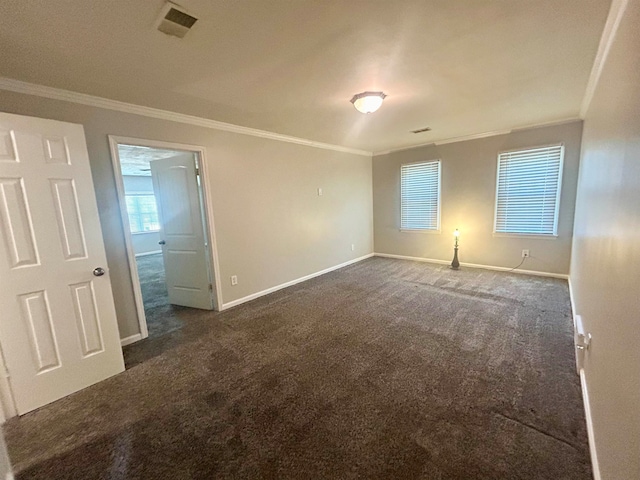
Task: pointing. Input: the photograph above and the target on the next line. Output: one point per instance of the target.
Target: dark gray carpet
(386, 369)
(162, 317)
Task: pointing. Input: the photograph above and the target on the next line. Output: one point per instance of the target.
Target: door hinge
(197, 172)
(211, 287)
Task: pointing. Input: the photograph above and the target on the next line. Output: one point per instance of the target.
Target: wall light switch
(319, 192)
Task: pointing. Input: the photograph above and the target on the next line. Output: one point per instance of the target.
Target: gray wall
(468, 192)
(142, 242)
(605, 266)
(271, 225)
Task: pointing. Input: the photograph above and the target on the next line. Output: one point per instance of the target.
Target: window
(528, 191)
(420, 196)
(143, 213)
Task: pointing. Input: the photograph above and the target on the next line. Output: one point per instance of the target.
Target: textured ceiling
(290, 66)
(134, 160)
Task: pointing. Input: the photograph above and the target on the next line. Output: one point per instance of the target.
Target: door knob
(162, 242)
(98, 271)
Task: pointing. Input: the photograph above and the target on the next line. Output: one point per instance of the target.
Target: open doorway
(168, 230)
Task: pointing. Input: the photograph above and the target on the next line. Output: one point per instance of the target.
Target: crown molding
(476, 136)
(19, 86)
(616, 12)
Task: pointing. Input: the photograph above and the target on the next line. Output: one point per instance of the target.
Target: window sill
(526, 235)
(409, 230)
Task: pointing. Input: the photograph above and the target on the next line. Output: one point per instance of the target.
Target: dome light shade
(368, 102)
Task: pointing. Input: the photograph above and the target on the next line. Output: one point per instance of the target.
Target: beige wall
(271, 225)
(605, 267)
(468, 192)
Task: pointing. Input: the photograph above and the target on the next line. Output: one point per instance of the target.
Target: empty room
(339, 240)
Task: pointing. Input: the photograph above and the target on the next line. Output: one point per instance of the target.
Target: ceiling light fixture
(368, 102)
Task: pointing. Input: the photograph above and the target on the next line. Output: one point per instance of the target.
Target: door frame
(8, 407)
(207, 210)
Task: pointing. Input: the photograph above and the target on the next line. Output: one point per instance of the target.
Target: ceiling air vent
(174, 20)
(421, 130)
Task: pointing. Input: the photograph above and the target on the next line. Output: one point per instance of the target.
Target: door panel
(58, 328)
(185, 256)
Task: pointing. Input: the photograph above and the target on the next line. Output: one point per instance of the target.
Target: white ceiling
(461, 67)
(135, 160)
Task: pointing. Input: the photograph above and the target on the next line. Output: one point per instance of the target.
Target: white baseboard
(590, 434)
(253, 296)
(131, 339)
(585, 395)
(155, 252)
(415, 259)
(474, 265)
(573, 303)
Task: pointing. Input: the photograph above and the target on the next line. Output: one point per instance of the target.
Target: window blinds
(528, 191)
(420, 196)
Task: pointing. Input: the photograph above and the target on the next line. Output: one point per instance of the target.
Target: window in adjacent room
(143, 213)
(420, 196)
(528, 191)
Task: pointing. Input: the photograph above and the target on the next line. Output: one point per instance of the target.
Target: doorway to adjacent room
(168, 231)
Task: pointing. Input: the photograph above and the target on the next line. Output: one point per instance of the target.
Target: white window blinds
(420, 196)
(528, 191)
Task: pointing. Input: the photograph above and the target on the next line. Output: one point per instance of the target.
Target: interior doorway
(166, 215)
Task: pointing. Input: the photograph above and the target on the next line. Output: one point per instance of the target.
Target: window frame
(556, 216)
(140, 194)
(438, 229)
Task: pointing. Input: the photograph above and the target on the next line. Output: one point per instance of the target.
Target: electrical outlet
(353, 247)
(525, 253)
(234, 279)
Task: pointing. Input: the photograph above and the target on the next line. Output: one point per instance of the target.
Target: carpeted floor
(162, 317)
(386, 369)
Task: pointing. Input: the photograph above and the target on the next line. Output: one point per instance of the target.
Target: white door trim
(114, 141)
(7, 402)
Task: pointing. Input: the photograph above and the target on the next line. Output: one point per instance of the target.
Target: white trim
(527, 235)
(476, 136)
(133, 268)
(474, 265)
(402, 149)
(114, 140)
(262, 293)
(419, 230)
(616, 12)
(415, 259)
(590, 433)
(573, 305)
(19, 86)
(585, 395)
(552, 123)
(7, 402)
(131, 339)
(207, 205)
(154, 252)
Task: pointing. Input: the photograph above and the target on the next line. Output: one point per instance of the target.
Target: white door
(58, 327)
(184, 251)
